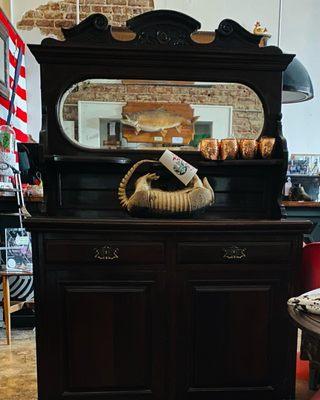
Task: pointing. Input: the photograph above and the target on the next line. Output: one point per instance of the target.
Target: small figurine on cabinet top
(259, 30)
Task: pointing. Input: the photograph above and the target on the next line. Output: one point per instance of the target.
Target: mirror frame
(162, 49)
(77, 143)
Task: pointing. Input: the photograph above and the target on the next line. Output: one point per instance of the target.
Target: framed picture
(4, 63)
(110, 132)
(18, 250)
(304, 164)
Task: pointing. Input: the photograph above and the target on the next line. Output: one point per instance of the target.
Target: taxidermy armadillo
(198, 195)
(156, 120)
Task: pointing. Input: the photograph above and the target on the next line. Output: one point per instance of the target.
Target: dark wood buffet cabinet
(163, 309)
(166, 309)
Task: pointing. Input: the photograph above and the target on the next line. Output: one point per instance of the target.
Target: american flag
(19, 120)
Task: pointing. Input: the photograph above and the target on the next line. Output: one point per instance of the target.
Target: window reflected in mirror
(138, 114)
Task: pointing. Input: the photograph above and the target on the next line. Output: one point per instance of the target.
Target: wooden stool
(10, 307)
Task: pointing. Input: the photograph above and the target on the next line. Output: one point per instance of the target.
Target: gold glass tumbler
(266, 145)
(248, 148)
(228, 149)
(209, 149)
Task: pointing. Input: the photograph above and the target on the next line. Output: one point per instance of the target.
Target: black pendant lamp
(297, 85)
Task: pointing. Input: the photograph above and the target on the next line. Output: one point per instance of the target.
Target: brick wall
(247, 109)
(50, 17)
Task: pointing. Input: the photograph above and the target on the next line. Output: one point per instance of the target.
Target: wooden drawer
(103, 252)
(233, 252)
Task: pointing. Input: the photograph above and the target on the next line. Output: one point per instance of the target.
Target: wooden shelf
(125, 160)
(9, 214)
(304, 176)
(209, 163)
(309, 204)
(33, 199)
(97, 160)
(259, 162)
(27, 199)
(8, 190)
(150, 224)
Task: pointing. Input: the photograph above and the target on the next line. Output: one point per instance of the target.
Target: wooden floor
(18, 368)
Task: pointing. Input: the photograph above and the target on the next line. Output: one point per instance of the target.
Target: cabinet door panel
(220, 352)
(110, 339)
(225, 348)
(108, 336)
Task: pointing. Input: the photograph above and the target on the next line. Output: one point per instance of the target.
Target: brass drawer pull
(106, 253)
(234, 253)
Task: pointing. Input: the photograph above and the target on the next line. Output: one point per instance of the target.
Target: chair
(310, 276)
(8, 306)
(316, 396)
(310, 280)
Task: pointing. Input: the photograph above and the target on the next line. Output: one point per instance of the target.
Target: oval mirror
(139, 114)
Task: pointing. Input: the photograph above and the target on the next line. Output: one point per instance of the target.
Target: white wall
(34, 95)
(18, 8)
(211, 12)
(220, 117)
(299, 35)
(5, 5)
(90, 113)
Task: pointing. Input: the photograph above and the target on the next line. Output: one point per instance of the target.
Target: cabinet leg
(314, 375)
(6, 307)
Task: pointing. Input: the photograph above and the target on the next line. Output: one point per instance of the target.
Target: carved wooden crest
(160, 29)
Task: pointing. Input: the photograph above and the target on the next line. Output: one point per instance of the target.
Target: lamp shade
(297, 85)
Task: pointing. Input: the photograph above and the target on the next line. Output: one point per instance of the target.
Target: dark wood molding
(95, 27)
(205, 224)
(55, 158)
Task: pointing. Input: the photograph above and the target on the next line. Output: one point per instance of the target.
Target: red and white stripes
(19, 119)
